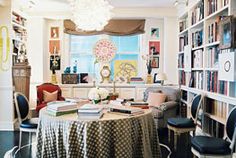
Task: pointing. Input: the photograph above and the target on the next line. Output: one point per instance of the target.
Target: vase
(149, 79)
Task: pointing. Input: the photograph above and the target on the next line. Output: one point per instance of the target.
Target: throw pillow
(48, 97)
(156, 99)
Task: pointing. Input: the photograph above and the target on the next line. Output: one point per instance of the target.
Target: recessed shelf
(216, 118)
(197, 25)
(18, 25)
(196, 48)
(217, 12)
(212, 44)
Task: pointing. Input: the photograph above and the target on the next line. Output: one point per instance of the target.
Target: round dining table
(112, 136)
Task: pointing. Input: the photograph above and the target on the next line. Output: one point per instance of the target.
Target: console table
(111, 136)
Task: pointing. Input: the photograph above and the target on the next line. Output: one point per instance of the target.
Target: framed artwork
(227, 67)
(155, 33)
(125, 69)
(155, 62)
(154, 47)
(54, 46)
(55, 62)
(228, 33)
(54, 32)
(155, 80)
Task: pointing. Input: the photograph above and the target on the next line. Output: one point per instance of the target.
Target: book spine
(120, 110)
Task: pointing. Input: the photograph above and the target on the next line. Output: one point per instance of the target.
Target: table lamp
(161, 77)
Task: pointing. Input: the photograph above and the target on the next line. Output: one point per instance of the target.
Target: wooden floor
(10, 139)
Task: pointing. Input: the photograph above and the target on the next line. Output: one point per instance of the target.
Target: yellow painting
(125, 69)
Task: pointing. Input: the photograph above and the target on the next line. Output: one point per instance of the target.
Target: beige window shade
(114, 27)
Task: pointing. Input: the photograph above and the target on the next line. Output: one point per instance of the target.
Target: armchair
(168, 108)
(49, 87)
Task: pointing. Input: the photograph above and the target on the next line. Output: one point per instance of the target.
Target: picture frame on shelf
(227, 67)
(55, 62)
(155, 80)
(228, 32)
(54, 32)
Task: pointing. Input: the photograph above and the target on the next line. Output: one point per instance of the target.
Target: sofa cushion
(156, 99)
(157, 113)
(210, 146)
(48, 97)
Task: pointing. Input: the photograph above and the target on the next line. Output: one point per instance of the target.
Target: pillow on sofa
(156, 99)
(48, 97)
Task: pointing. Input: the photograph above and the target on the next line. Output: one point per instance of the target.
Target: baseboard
(8, 126)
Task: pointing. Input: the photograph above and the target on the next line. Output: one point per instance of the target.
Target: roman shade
(115, 27)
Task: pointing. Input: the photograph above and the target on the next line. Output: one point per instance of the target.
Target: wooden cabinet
(21, 78)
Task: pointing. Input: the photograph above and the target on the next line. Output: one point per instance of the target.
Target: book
(126, 110)
(90, 116)
(62, 106)
(59, 113)
(137, 103)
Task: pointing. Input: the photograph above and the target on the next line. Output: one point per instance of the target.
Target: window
(81, 51)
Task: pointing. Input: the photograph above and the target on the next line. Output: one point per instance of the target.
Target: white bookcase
(202, 76)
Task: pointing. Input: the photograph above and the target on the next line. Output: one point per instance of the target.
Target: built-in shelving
(204, 65)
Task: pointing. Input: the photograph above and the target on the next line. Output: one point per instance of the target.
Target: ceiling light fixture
(90, 15)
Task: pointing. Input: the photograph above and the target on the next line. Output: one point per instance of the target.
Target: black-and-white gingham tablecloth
(67, 137)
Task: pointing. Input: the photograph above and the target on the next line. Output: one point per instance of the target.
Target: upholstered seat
(181, 122)
(209, 145)
(30, 123)
(49, 87)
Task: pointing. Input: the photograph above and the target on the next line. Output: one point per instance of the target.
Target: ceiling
(63, 4)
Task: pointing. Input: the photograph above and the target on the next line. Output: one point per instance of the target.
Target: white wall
(6, 85)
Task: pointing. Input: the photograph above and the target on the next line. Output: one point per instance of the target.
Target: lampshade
(161, 76)
(90, 15)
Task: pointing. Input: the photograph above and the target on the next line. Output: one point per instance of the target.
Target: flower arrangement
(148, 63)
(104, 50)
(98, 94)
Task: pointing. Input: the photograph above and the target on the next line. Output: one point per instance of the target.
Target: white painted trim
(7, 126)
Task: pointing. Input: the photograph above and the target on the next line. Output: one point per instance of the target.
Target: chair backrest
(231, 123)
(49, 87)
(195, 106)
(22, 106)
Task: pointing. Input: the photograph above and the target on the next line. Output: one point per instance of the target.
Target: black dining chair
(209, 147)
(22, 109)
(185, 125)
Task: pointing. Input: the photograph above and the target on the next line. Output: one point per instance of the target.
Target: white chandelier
(89, 15)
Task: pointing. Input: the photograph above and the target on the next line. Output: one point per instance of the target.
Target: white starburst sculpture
(89, 15)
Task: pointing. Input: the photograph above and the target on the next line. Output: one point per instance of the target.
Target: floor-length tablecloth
(113, 136)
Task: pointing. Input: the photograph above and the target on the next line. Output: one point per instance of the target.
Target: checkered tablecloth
(122, 137)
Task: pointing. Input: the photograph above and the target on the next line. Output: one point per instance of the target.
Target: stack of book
(138, 104)
(58, 108)
(136, 80)
(90, 112)
(126, 110)
(120, 101)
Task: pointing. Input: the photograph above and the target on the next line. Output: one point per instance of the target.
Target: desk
(112, 136)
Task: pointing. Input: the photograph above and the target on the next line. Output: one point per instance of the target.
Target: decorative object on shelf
(54, 76)
(161, 77)
(67, 70)
(155, 33)
(54, 32)
(90, 15)
(154, 47)
(104, 50)
(227, 66)
(155, 80)
(69, 78)
(147, 58)
(83, 78)
(105, 74)
(55, 62)
(75, 67)
(22, 58)
(98, 94)
(54, 46)
(187, 58)
(228, 32)
(124, 70)
(4, 49)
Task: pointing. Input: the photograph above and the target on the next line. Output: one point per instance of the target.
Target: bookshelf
(198, 62)
(19, 37)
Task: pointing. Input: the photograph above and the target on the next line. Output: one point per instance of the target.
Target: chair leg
(169, 135)
(30, 137)
(20, 139)
(175, 140)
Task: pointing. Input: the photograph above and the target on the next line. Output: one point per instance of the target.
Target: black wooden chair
(209, 147)
(185, 125)
(22, 109)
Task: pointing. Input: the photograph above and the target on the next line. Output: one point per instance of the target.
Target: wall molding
(7, 126)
